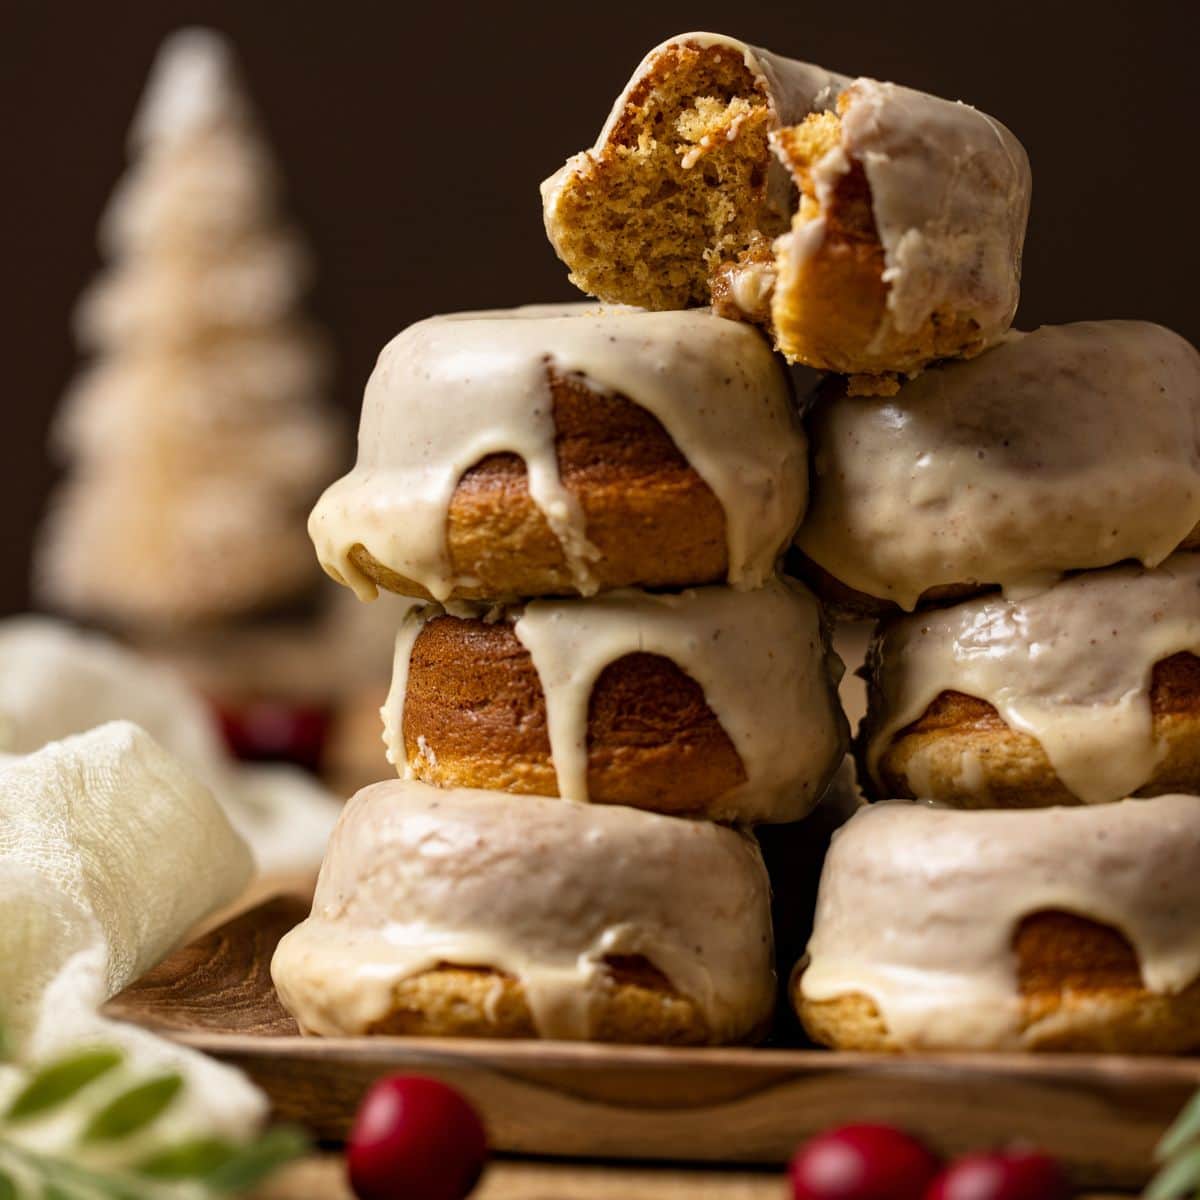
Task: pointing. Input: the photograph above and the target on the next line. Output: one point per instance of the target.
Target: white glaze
(1071, 447)
(57, 680)
(918, 907)
(950, 189)
(451, 390)
(1071, 666)
(544, 891)
(759, 656)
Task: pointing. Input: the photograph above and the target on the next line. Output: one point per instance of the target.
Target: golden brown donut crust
(636, 1005)
(1015, 769)
(1081, 990)
(656, 523)
(475, 716)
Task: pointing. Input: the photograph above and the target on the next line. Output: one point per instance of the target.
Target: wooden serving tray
(1099, 1114)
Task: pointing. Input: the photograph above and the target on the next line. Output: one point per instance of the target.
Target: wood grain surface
(323, 1178)
(1101, 1115)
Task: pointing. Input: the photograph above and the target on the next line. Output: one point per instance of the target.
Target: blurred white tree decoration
(197, 437)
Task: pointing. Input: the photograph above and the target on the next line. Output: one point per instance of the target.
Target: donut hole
(636, 971)
(1059, 951)
(654, 742)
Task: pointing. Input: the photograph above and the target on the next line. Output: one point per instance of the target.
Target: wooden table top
(322, 1177)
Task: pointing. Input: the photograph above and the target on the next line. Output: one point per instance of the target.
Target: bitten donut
(1083, 693)
(1072, 447)
(564, 451)
(870, 228)
(713, 703)
(1055, 929)
(462, 913)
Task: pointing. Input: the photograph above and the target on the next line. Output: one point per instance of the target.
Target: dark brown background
(413, 137)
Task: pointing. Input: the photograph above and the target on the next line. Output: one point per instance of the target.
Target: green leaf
(1184, 1130)
(74, 1182)
(1179, 1179)
(188, 1160)
(52, 1191)
(8, 1189)
(133, 1109)
(60, 1080)
(254, 1162)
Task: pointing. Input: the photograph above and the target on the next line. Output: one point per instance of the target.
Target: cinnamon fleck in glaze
(1072, 447)
(450, 394)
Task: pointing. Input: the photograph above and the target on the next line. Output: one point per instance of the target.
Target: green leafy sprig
(196, 1169)
(1179, 1156)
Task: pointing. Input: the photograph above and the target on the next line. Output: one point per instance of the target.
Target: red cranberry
(1016, 1174)
(415, 1139)
(862, 1162)
(274, 731)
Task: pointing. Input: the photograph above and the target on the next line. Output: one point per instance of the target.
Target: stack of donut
(1027, 524)
(608, 685)
(605, 680)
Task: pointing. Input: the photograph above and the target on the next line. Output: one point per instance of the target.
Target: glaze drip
(1072, 447)
(1070, 666)
(919, 906)
(544, 891)
(760, 657)
(950, 189)
(449, 391)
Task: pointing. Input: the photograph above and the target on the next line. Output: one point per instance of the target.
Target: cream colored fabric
(109, 853)
(56, 680)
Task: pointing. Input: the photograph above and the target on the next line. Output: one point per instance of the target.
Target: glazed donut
(713, 703)
(1055, 929)
(1081, 694)
(1072, 447)
(906, 243)
(563, 451)
(452, 912)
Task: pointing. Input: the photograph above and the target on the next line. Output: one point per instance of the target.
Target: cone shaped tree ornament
(196, 439)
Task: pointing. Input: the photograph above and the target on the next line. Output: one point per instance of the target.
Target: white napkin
(56, 680)
(109, 853)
